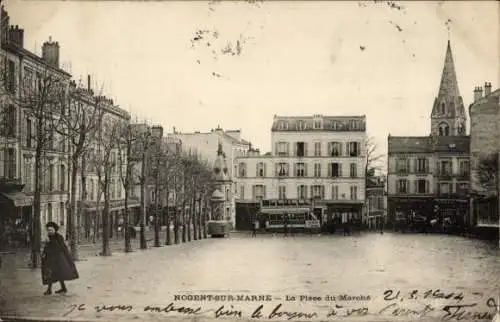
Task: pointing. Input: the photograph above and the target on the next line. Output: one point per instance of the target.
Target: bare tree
(42, 98)
(77, 125)
(126, 143)
(105, 165)
(373, 157)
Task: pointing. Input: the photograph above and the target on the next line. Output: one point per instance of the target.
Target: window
(402, 186)
(463, 168)
(422, 165)
(317, 124)
(302, 192)
(301, 125)
(282, 149)
(403, 165)
(445, 168)
(28, 133)
(421, 186)
(11, 76)
(62, 215)
(62, 177)
(444, 129)
(259, 192)
(243, 169)
(10, 164)
(354, 148)
(461, 129)
(335, 192)
(283, 125)
(282, 192)
(335, 149)
(91, 186)
(317, 170)
(8, 126)
(261, 169)
(445, 188)
(49, 211)
(282, 169)
(300, 149)
(354, 193)
(335, 170)
(462, 188)
(353, 170)
(443, 108)
(51, 178)
(318, 192)
(242, 191)
(300, 170)
(27, 180)
(317, 149)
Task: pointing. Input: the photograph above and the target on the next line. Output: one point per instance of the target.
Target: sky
(178, 64)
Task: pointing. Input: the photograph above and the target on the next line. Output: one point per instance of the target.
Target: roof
(449, 84)
(409, 144)
(452, 144)
(356, 123)
(428, 144)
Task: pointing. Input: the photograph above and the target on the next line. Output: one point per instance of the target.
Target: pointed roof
(449, 84)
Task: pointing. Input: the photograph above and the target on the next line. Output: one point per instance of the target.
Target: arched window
(443, 108)
(444, 129)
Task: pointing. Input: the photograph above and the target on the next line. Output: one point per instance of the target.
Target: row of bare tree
(99, 140)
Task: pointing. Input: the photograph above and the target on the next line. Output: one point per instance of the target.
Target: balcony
(445, 175)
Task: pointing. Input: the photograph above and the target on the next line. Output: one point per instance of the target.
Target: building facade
(23, 74)
(314, 173)
(207, 145)
(376, 200)
(428, 176)
(485, 147)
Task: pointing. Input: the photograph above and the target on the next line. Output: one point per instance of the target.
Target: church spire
(449, 85)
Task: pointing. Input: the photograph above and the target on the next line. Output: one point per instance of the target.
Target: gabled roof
(409, 144)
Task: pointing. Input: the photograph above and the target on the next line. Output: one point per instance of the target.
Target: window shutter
(288, 148)
(265, 169)
(340, 170)
(24, 131)
(257, 168)
(415, 186)
(298, 192)
(323, 192)
(276, 148)
(427, 186)
(358, 148)
(319, 170)
(305, 170)
(329, 166)
(276, 169)
(347, 148)
(415, 164)
(294, 174)
(254, 188)
(264, 192)
(305, 192)
(295, 149)
(305, 149)
(408, 169)
(330, 147)
(312, 191)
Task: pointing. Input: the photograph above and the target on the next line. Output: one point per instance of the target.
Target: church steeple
(448, 113)
(449, 84)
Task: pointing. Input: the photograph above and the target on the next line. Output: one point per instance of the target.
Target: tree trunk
(157, 215)
(72, 225)
(199, 218)
(143, 243)
(183, 213)
(105, 219)
(205, 209)
(195, 218)
(36, 229)
(168, 237)
(176, 226)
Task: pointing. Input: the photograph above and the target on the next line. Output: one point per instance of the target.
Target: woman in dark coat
(57, 262)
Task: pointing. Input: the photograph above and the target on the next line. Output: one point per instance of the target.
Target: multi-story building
(24, 72)
(429, 175)
(317, 163)
(485, 147)
(207, 145)
(376, 201)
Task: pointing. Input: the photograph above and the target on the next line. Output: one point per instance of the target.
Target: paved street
(316, 266)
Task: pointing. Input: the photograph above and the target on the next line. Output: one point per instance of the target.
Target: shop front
(401, 209)
(15, 215)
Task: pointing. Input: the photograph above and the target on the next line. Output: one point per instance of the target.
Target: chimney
(50, 53)
(88, 83)
(4, 25)
(487, 89)
(16, 36)
(478, 93)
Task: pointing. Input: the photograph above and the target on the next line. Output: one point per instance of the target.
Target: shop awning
(16, 198)
(282, 210)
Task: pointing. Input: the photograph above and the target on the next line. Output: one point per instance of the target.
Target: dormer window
(283, 125)
(333, 125)
(302, 125)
